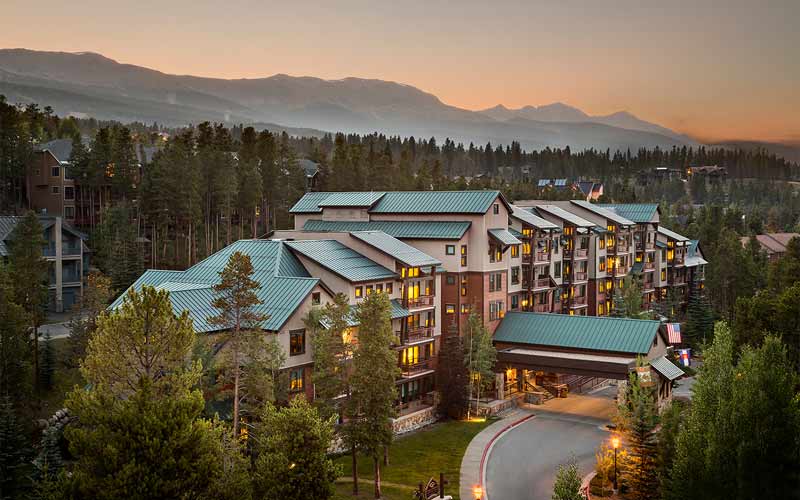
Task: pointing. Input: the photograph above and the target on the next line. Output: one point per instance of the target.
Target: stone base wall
(414, 421)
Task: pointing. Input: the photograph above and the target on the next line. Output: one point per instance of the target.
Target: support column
(58, 262)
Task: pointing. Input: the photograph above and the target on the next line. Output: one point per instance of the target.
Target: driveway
(523, 461)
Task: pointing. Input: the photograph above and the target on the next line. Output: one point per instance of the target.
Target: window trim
(292, 335)
(450, 249)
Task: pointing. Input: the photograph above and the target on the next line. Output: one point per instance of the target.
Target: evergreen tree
(373, 380)
(47, 362)
(293, 444)
(453, 378)
(700, 317)
(96, 296)
(671, 420)
(568, 483)
(29, 276)
(49, 461)
(236, 299)
(141, 339)
(117, 252)
(637, 420)
(14, 452)
(15, 351)
(332, 349)
(481, 356)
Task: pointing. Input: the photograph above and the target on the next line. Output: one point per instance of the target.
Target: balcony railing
(415, 334)
(581, 253)
(649, 245)
(580, 276)
(409, 369)
(421, 301)
(649, 266)
(527, 258)
(541, 308)
(578, 301)
(542, 256)
(541, 283)
(50, 251)
(677, 261)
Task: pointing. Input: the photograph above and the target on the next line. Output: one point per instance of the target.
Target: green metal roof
(285, 283)
(637, 268)
(341, 260)
(413, 230)
(410, 202)
(694, 256)
(309, 203)
(432, 202)
(351, 199)
(604, 212)
(531, 219)
(397, 311)
(504, 236)
(640, 213)
(633, 336)
(667, 368)
(672, 234)
(516, 233)
(562, 214)
(395, 248)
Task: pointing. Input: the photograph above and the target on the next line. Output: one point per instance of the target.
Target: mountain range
(89, 84)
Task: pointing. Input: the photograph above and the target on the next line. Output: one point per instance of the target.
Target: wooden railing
(542, 256)
(407, 369)
(649, 265)
(541, 283)
(421, 301)
(419, 333)
(580, 276)
(581, 253)
(541, 308)
(578, 301)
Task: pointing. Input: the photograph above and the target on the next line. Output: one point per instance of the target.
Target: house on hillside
(773, 244)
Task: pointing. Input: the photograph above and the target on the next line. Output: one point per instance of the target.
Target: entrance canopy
(579, 345)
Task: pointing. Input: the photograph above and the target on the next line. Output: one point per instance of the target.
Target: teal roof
(397, 311)
(661, 244)
(672, 234)
(531, 219)
(395, 248)
(284, 283)
(413, 230)
(640, 213)
(341, 260)
(604, 212)
(633, 336)
(694, 256)
(516, 233)
(351, 199)
(637, 267)
(666, 368)
(562, 214)
(504, 236)
(395, 202)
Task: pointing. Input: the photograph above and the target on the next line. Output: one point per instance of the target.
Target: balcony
(677, 261)
(649, 266)
(581, 253)
(421, 301)
(412, 369)
(66, 250)
(649, 245)
(542, 256)
(541, 284)
(419, 333)
(578, 301)
(648, 287)
(541, 308)
(580, 276)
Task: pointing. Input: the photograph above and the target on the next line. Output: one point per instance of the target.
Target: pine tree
(638, 418)
(235, 298)
(96, 296)
(700, 318)
(47, 362)
(49, 461)
(453, 378)
(15, 351)
(568, 483)
(29, 276)
(14, 452)
(373, 380)
(329, 329)
(293, 459)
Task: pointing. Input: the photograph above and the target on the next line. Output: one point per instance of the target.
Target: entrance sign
(645, 376)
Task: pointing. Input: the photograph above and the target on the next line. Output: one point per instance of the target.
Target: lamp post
(477, 492)
(615, 444)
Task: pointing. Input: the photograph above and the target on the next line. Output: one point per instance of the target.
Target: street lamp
(477, 492)
(615, 444)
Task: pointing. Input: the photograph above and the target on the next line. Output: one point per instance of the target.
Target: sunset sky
(724, 69)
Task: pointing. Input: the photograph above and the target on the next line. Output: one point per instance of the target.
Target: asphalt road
(523, 462)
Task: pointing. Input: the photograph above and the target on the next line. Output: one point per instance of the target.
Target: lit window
(463, 255)
(297, 342)
(378, 288)
(464, 308)
(450, 308)
(514, 251)
(389, 288)
(296, 382)
(359, 291)
(368, 289)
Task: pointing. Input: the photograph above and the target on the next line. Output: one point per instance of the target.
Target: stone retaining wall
(414, 421)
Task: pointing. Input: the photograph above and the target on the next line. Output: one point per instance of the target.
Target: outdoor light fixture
(615, 444)
(477, 492)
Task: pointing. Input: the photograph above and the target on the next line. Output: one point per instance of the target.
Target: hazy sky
(714, 69)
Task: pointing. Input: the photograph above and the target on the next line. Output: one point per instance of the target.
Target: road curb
(488, 448)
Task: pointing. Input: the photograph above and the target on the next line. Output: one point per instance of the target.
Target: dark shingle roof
(633, 336)
(60, 148)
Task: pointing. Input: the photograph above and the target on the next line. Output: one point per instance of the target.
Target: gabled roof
(9, 222)
(504, 237)
(360, 199)
(641, 213)
(395, 248)
(284, 284)
(415, 230)
(309, 167)
(604, 212)
(694, 256)
(404, 202)
(630, 336)
(562, 214)
(61, 149)
(672, 234)
(341, 260)
(531, 219)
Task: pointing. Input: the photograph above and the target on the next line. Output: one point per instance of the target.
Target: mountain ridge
(92, 84)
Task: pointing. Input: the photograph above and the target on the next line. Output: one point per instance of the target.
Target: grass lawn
(420, 456)
(344, 491)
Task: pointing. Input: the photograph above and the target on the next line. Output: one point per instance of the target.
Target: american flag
(674, 333)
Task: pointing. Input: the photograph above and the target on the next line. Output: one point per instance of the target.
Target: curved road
(523, 462)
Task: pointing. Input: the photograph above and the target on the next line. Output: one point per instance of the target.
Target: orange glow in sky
(715, 69)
